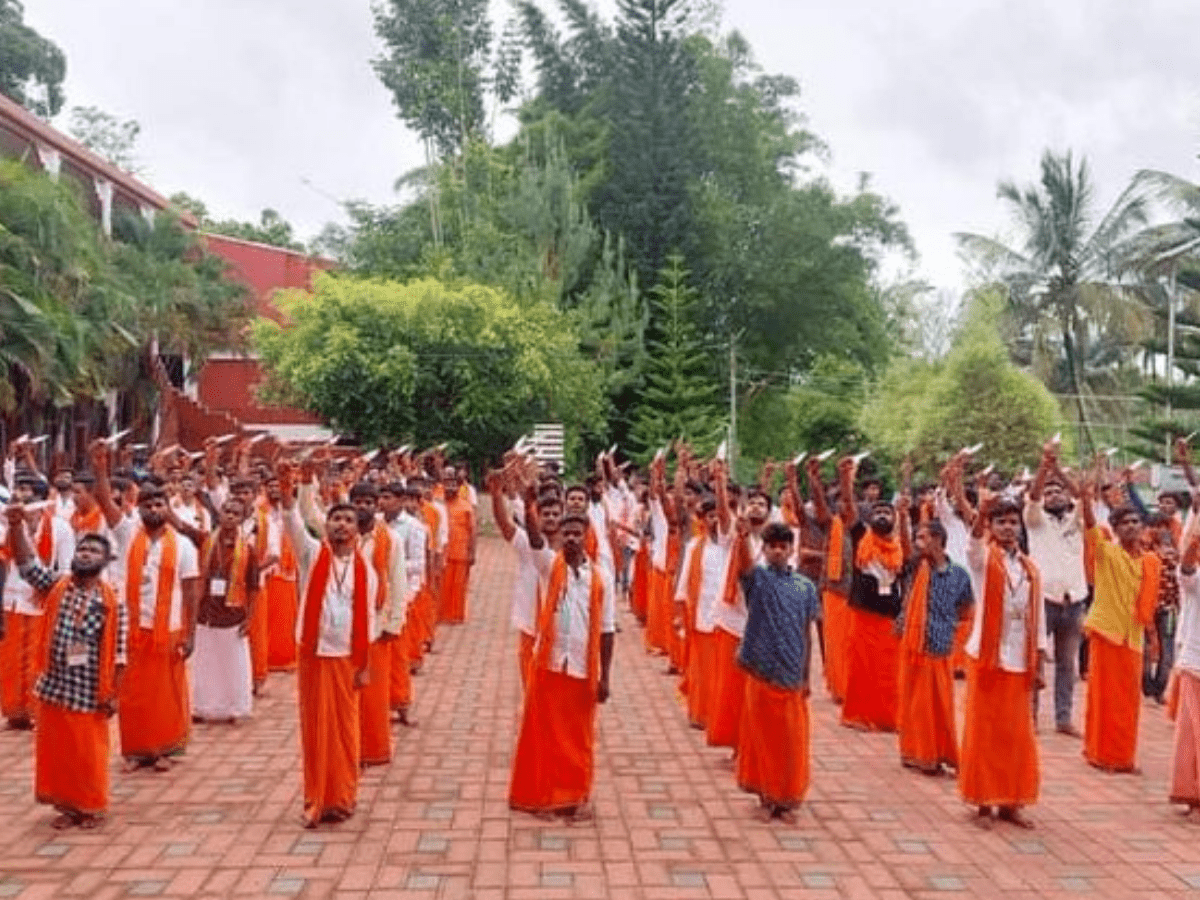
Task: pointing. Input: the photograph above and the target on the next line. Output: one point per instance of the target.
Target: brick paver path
(670, 822)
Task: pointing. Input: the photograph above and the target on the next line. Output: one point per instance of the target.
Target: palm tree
(1062, 283)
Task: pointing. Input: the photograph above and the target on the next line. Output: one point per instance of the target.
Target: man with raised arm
(773, 739)
(23, 631)
(1126, 594)
(554, 762)
(83, 660)
(1055, 532)
(334, 628)
(873, 648)
(533, 563)
(999, 766)
(161, 584)
(938, 599)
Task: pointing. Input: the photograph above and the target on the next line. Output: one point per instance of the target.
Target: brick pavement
(670, 823)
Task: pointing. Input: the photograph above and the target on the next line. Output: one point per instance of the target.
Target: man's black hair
(777, 533)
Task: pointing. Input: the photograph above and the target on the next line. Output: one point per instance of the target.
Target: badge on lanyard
(217, 587)
(77, 654)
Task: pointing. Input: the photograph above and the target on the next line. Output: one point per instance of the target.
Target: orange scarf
(314, 602)
(381, 555)
(833, 552)
(995, 582)
(556, 589)
(874, 548)
(165, 588)
(287, 566)
(90, 523)
(917, 611)
(106, 687)
(45, 538)
(239, 570)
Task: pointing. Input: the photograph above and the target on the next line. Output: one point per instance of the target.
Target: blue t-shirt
(949, 594)
(780, 605)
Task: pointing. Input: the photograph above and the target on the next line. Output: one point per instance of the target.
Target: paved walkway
(670, 823)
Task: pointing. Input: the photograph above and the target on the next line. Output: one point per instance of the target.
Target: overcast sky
(242, 102)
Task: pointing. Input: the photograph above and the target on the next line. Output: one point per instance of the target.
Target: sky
(249, 104)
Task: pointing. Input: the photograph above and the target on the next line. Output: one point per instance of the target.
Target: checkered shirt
(74, 687)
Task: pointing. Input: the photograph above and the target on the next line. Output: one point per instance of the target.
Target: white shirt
(598, 516)
(336, 628)
(193, 514)
(570, 651)
(1187, 630)
(658, 523)
(18, 593)
(731, 617)
(441, 537)
(63, 504)
(186, 566)
(390, 617)
(1056, 547)
(957, 532)
(1013, 626)
(713, 570)
(532, 567)
(412, 533)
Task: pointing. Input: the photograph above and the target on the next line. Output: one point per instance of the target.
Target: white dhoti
(221, 673)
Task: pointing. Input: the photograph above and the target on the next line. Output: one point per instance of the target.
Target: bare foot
(983, 818)
(63, 822)
(1014, 816)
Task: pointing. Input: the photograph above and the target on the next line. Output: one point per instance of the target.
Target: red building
(220, 398)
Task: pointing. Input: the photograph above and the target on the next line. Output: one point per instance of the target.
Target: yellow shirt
(1114, 613)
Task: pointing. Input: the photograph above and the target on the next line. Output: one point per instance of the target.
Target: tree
(1062, 277)
(646, 196)
(976, 395)
(436, 52)
(79, 312)
(679, 397)
(427, 361)
(271, 227)
(32, 68)
(106, 135)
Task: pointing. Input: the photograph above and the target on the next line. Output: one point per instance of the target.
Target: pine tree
(679, 398)
(652, 150)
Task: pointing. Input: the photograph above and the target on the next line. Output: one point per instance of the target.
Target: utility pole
(1170, 355)
(733, 407)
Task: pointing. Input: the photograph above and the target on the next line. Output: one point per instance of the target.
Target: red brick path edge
(669, 821)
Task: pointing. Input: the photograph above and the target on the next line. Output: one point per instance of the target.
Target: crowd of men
(968, 577)
(165, 593)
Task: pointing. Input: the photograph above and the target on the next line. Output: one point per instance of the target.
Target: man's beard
(757, 521)
(153, 520)
(81, 569)
(881, 528)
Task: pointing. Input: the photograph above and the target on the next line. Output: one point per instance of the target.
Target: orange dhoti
(836, 612)
(926, 712)
(658, 612)
(20, 664)
(999, 761)
(1114, 702)
(525, 645)
(1185, 756)
(154, 704)
(639, 590)
(773, 744)
(260, 639)
(71, 760)
(399, 673)
(701, 677)
(554, 761)
(454, 592)
(374, 707)
(329, 735)
(281, 599)
(725, 716)
(872, 676)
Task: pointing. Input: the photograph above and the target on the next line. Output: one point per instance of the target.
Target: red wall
(229, 384)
